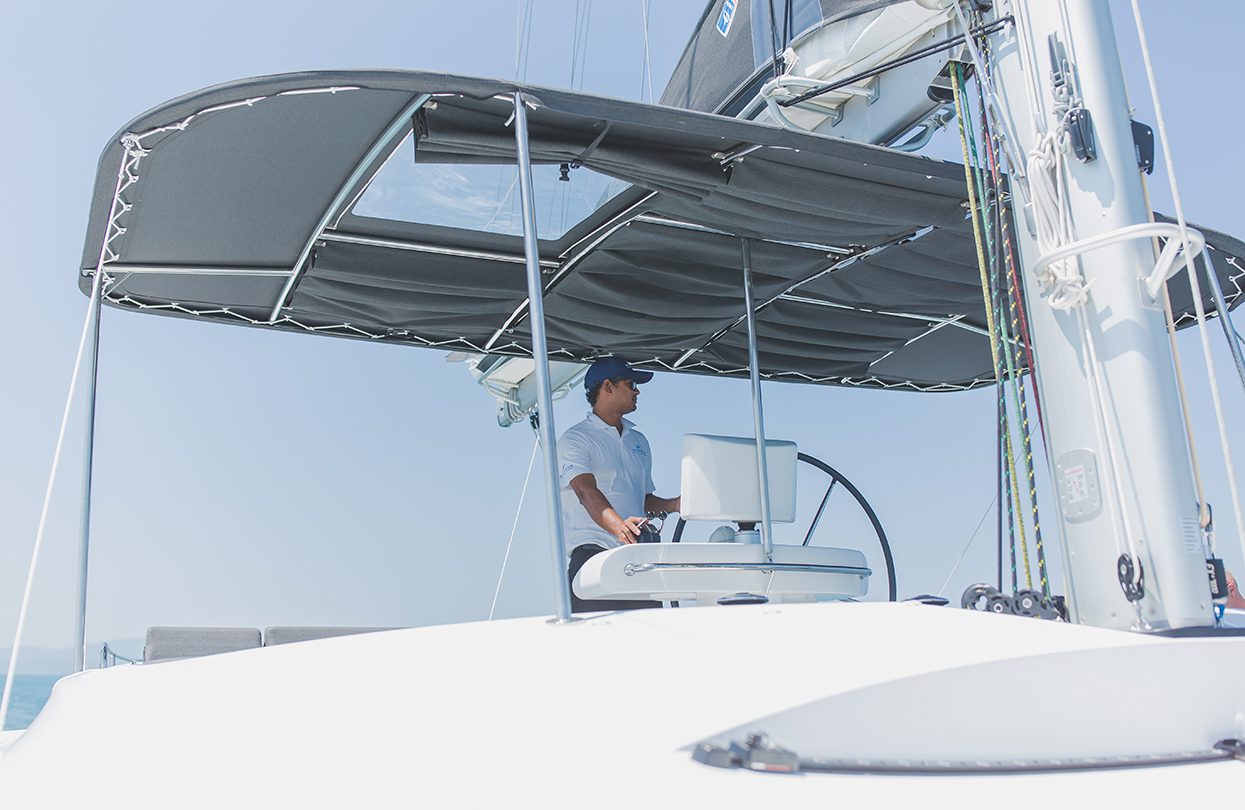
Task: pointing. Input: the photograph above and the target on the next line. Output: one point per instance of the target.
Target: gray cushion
(188, 642)
(290, 635)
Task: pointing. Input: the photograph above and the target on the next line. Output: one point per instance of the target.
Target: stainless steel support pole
(540, 354)
(758, 410)
(1225, 318)
(88, 458)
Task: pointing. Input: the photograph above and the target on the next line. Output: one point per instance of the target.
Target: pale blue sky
(254, 478)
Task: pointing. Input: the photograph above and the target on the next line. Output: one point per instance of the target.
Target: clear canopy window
(482, 196)
(791, 20)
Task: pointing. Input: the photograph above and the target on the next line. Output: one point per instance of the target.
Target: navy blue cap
(613, 368)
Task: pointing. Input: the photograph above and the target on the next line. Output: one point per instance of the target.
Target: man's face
(621, 394)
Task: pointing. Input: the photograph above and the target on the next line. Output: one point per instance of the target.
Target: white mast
(1122, 472)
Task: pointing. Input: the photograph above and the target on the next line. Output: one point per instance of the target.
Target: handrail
(631, 569)
(108, 656)
(1164, 268)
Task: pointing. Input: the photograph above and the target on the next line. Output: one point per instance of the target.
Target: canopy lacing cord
(1195, 287)
(501, 576)
(1066, 289)
(47, 500)
(990, 299)
(1012, 336)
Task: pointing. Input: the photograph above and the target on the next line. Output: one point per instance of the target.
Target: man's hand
(628, 530)
(625, 530)
(1235, 600)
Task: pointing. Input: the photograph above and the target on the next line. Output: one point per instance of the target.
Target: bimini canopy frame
(255, 203)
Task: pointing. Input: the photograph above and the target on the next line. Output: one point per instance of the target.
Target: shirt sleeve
(574, 457)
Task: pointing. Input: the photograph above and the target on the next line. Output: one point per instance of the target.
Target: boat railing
(109, 657)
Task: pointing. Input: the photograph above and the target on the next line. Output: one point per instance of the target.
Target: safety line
(11, 673)
(513, 528)
(971, 538)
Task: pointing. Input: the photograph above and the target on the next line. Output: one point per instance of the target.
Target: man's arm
(626, 530)
(652, 503)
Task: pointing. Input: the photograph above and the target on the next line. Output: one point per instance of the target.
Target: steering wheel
(835, 478)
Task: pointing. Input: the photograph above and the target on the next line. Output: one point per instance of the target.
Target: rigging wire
(579, 62)
(1203, 508)
(773, 37)
(91, 313)
(522, 37)
(579, 46)
(971, 538)
(579, 13)
(1195, 287)
(522, 45)
(514, 528)
(648, 68)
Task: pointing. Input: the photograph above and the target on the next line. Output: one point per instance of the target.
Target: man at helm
(605, 471)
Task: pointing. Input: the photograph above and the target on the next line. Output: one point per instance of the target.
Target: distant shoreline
(59, 661)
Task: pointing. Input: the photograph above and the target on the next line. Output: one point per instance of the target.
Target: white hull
(605, 713)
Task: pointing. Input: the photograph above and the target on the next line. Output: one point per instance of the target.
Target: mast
(1115, 433)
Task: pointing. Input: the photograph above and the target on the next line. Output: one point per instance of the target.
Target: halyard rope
(1017, 337)
(989, 296)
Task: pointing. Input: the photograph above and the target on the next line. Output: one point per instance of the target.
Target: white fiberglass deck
(477, 715)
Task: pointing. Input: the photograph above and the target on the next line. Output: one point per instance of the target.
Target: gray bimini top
(382, 205)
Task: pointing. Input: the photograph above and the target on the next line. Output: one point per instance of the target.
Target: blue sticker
(726, 16)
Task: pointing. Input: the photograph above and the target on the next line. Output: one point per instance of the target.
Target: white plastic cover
(720, 480)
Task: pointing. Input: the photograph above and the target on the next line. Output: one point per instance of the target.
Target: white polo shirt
(623, 466)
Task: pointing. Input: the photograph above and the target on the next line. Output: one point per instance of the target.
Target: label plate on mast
(1080, 496)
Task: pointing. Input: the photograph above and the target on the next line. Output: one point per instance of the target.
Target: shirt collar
(601, 423)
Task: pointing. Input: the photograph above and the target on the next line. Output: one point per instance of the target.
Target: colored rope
(987, 294)
(1013, 357)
